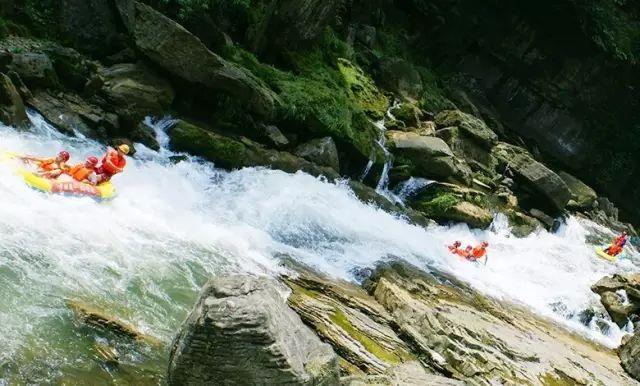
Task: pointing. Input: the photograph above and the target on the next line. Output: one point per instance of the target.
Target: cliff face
(561, 75)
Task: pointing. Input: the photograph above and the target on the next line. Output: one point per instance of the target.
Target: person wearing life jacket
(85, 172)
(112, 163)
(50, 167)
(618, 245)
(454, 247)
(478, 252)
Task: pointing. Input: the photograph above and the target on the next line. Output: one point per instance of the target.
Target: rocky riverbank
(311, 107)
(401, 327)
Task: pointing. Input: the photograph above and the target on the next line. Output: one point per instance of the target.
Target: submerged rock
(96, 317)
(620, 309)
(242, 332)
(630, 356)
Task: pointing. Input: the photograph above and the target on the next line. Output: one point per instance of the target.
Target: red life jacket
(112, 163)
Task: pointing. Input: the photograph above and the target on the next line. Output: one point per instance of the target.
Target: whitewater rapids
(177, 220)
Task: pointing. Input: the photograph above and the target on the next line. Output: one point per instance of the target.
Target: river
(178, 220)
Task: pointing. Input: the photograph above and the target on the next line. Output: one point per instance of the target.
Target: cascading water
(145, 255)
(382, 187)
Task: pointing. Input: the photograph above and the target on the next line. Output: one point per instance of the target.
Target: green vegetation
(187, 8)
(613, 25)
(439, 206)
(315, 94)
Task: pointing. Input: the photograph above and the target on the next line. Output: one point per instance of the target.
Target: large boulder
(71, 114)
(582, 195)
(447, 202)
(545, 182)
(362, 334)
(136, 91)
(234, 153)
(428, 157)
(466, 147)
(481, 340)
(176, 50)
(472, 126)
(34, 68)
(630, 356)
(620, 296)
(12, 111)
(242, 332)
(321, 151)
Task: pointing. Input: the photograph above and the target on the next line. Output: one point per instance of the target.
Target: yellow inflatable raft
(64, 184)
(604, 255)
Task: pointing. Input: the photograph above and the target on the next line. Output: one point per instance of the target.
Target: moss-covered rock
(346, 317)
(316, 100)
(427, 157)
(363, 90)
(234, 153)
(552, 192)
(447, 202)
(465, 147)
(472, 126)
(408, 113)
(582, 194)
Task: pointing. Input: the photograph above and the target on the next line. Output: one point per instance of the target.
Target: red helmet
(64, 155)
(92, 160)
(485, 244)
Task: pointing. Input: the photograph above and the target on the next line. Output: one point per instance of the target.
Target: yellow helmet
(124, 148)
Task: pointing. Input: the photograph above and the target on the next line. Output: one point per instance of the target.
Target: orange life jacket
(113, 162)
(614, 250)
(478, 252)
(80, 172)
(48, 164)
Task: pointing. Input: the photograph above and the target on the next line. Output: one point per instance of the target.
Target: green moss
(316, 98)
(340, 319)
(226, 152)
(556, 379)
(363, 90)
(440, 205)
(434, 97)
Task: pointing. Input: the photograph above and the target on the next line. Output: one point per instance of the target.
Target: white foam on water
(146, 253)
